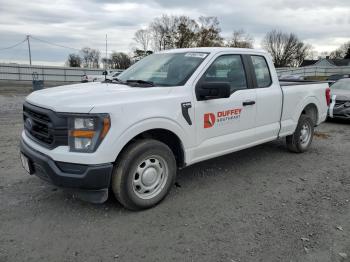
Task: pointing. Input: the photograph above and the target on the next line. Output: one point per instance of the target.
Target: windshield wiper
(140, 82)
(116, 80)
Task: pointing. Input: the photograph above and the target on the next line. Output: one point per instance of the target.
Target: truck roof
(215, 50)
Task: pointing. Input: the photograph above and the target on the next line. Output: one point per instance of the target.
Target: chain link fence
(313, 71)
(16, 72)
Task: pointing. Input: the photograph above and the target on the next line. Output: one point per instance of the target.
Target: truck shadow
(338, 121)
(203, 173)
(232, 162)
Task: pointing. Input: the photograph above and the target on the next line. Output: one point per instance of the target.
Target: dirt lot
(260, 204)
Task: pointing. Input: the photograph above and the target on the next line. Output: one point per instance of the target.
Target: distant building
(308, 62)
(326, 62)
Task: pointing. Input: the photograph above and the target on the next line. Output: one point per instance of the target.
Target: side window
(262, 71)
(229, 69)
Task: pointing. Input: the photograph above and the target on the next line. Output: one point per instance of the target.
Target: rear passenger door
(268, 99)
(226, 123)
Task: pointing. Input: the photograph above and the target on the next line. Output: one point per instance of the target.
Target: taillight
(328, 96)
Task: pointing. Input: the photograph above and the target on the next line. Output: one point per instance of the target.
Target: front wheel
(144, 174)
(301, 139)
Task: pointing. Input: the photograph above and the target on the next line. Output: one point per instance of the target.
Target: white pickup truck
(168, 111)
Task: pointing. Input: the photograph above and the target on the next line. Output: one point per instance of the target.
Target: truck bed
(300, 82)
(294, 95)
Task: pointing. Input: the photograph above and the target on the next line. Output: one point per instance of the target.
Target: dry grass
(321, 135)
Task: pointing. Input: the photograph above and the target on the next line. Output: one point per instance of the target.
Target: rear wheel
(301, 139)
(144, 174)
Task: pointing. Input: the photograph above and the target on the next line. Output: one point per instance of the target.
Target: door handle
(248, 103)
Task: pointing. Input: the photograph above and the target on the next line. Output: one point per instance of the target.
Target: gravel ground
(260, 204)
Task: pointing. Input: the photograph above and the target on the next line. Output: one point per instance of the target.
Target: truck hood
(82, 98)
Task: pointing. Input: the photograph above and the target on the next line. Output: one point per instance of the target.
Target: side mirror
(214, 90)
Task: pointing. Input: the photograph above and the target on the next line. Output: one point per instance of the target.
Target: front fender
(119, 142)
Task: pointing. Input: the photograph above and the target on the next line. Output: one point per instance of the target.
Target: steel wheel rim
(305, 134)
(150, 177)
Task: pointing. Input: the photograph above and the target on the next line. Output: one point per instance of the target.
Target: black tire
(294, 142)
(136, 155)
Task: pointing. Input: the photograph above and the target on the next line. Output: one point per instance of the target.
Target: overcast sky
(323, 23)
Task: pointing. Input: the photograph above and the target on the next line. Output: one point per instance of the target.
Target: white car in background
(108, 74)
(114, 75)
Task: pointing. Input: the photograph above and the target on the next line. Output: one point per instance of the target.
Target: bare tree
(347, 55)
(240, 39)
(179, 32)
(90, 57)
(107, 62)
(186, 32)
(95, 58)
(74, 60)
(209, 32)
(85, 53)
(303, 53)
(285, 49)
(120, 60)
(163, 32)
(341, 52)
(143, 38)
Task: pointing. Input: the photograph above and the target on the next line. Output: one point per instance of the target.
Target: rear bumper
(91, 182)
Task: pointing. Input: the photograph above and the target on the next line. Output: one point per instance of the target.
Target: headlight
(347, 104)
(86, 132)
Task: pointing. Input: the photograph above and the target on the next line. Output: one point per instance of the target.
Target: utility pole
(106, 53)
(30, 54)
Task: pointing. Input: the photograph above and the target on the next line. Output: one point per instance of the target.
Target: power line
(13, 46)
(51, 43)
(64, 46)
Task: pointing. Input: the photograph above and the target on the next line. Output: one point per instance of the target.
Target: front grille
(38, 126)
(45, 126)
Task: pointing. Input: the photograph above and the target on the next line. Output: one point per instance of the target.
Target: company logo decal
(221, 117)
(209, 120)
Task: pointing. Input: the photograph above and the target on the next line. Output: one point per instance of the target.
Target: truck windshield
(164, 69)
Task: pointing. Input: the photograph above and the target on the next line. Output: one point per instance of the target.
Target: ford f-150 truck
(168, 111)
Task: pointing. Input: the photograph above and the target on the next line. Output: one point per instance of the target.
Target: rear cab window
(262, 71)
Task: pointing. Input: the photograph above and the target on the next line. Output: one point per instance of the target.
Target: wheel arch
(311, 110)
(309, 106)
(165, 136)
(167, 132)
